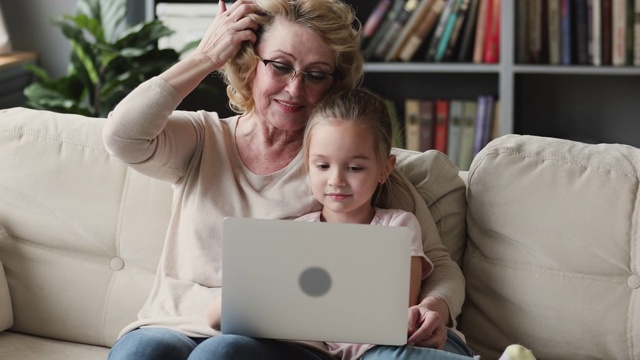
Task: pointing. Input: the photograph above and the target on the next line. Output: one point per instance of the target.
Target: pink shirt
(383, 217)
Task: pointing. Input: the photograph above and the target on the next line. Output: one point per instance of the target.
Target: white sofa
(551, 258)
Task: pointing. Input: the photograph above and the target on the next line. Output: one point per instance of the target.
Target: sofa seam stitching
(618, 279)
(562, 160)
(43, 136)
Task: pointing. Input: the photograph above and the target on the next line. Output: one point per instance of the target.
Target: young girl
(347, 148)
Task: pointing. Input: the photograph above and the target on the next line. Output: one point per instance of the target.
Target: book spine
(456, 111)
(374, 20)
(448, 31)
(467, 134)
(426, 124)
(424, 28)
(412, 124)
(417, 11)
(581, 32)
(534, 31)
(606, 32)
(636, 32)
(629, 39)
(480, 120)
(619, 20)
(437, 34)
(595, 33)
(456, 35)
(441, 126)
(394, 30)
(522, 53)
(383, 29)
(553, 23)
(468, 36)
(481, 27)
(492, 44)
(565, 32)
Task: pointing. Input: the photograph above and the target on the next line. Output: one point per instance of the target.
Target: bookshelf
(586, 103)
(578, 102)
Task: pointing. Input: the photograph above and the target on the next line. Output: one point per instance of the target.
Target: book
(412, 124)
(605, 22)
(618, 35)
(449, 27)
(467, 132)
(636, 34)
(439, 30)
(481, 28)
(491, 50)
(373, 21)
(495, 121)
(427, 108)
(484, 114)
(580, 31)
(398, 138)
(456, 111)
(382, 30)
(534, 31)
(441, 125)
(426, 25)
(595, 30)
(629, 39)
(553, 24)
(468, 33)
(394, 30)
(417, 16)
(521, 25)
(456, 34)
(565, 32)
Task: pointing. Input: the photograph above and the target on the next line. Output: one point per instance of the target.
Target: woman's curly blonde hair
(333, 20)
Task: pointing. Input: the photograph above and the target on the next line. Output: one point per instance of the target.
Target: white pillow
(6, 310)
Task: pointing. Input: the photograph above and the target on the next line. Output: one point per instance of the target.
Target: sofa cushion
(14, 346)
(552, 258)
(85, 232)
(6, 311)
(438, 182)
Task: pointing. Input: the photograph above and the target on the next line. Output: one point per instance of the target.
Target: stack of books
(433, 31)
(578, 32)
(459, 128)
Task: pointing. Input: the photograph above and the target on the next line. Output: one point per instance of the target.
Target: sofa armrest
(6, 310)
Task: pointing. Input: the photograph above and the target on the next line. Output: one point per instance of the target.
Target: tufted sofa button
(634, 281)
(116, 264)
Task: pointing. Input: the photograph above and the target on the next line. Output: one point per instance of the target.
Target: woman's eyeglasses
(284, 73)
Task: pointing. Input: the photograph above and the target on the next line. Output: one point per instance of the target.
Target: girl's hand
(228, 30)
(427, 328)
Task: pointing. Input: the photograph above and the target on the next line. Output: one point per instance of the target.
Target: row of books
(433, 31)
(457, 127)
(578, 32)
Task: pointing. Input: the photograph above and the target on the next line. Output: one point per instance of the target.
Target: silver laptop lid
(295, 280)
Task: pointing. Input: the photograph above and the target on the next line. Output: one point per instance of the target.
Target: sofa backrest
(85, 232)
(553, 258)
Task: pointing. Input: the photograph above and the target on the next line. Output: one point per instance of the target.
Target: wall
(30, 29)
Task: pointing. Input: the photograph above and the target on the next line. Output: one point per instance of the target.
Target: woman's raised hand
(228, 30)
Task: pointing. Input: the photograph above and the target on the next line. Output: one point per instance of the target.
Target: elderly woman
(279, 58)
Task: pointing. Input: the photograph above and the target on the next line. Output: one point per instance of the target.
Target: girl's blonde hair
(360, 107)
(333, 20)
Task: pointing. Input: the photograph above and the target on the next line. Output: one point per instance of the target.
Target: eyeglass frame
(295, 71)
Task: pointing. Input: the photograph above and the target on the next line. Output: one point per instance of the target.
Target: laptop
(312, 281)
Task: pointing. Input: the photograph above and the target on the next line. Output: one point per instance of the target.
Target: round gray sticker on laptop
(315, 281)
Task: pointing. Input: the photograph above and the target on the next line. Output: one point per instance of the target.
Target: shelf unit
(586, 103)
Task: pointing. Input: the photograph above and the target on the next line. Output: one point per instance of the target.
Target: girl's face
(286, 105)
(344, 172)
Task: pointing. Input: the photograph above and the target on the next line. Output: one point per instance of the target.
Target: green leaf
(113, 14)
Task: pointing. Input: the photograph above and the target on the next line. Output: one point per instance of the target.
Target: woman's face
(287, 105)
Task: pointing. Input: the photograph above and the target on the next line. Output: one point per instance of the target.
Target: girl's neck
(359, 216)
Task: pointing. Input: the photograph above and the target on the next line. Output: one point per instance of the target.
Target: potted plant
(107, 61)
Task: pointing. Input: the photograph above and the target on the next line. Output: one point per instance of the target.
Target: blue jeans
(161, 344)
